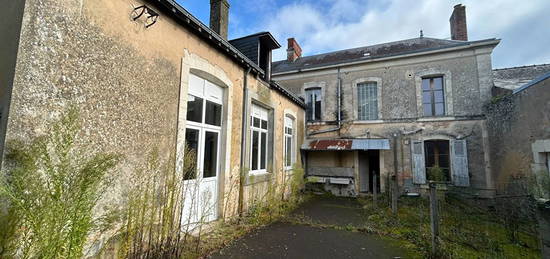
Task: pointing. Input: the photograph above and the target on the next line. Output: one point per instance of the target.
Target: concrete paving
(296, 240)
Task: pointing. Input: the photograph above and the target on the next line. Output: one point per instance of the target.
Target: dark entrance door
(369, 166)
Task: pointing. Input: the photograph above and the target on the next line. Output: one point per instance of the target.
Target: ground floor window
(436, 154)
(440, 160)
(258, 133)
(289, 142)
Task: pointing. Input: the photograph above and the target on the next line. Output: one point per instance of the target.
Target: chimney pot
(459, 30)
(219, 17)
(294, 51)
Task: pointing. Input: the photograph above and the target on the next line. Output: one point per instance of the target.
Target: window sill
(255, 177)
(442, 118)
(368, 121)
(315, 123)
(258, 172)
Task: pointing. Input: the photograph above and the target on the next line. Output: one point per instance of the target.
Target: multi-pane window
(367, 95)
(259, 133)
(313, 102)
(433, 99)
(289, 142)
(204, 119)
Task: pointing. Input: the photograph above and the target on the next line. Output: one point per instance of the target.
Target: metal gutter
(186, 18)
(288, 94)
(396, 56)
(200, 29)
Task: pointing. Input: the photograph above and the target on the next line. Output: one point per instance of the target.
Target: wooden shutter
(418, 163)
(459, 163)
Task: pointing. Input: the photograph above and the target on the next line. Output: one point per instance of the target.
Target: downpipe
(243, 141)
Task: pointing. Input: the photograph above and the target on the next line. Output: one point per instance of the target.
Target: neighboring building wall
(130, 84)
(467, 79)
(519, 130)
(10, 29)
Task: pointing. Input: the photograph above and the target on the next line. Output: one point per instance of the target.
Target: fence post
(543, 218)
(434, 217)
(374, 188)
(394, 194)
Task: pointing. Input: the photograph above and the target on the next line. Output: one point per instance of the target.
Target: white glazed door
(202, 136)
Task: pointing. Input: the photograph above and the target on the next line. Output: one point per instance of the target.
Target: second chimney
(293, 51)
(219, 17)
(459, 30)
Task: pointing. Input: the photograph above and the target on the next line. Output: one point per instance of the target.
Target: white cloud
(325, 25)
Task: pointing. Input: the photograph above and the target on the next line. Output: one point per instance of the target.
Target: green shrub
(51, 187)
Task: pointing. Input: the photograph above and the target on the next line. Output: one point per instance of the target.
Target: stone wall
(519, 130)
(468, 80)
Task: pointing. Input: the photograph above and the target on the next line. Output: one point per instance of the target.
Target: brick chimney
(293, 51)
(219, 17)
(459, 30)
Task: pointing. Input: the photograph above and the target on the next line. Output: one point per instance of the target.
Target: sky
(322, 26)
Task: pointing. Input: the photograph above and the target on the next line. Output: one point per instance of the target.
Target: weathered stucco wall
(519, 130)
(130, 86)
(398, 83)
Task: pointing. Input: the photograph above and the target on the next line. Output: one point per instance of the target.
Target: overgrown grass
(465, 231)
(49, 189)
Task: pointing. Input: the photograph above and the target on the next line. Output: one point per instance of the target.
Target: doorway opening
(369, 166)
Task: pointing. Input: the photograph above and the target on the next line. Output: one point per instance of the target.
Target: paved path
(299, 240)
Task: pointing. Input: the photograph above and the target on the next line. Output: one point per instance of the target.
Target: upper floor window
(289, 143)
(259, 132)
(367, 95)
(433, 99)
(313, 102)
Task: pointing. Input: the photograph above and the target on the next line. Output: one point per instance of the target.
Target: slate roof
(396, 48)
(534, 82)
(514, 77)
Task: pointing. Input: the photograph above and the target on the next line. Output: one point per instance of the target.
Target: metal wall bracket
(152, 16)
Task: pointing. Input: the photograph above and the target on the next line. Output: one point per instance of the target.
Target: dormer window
(257, 47)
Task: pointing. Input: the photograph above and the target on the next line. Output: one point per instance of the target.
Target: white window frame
(207, 91)
(262, 114)
(289, 124)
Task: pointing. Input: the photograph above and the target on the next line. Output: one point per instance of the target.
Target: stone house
(411, 109)
(148, 75)
(519, 129)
